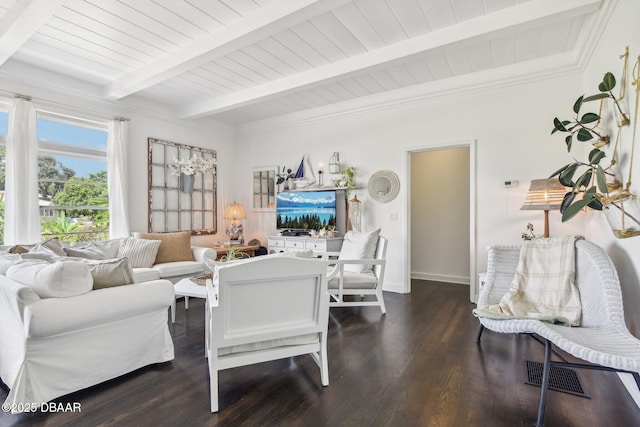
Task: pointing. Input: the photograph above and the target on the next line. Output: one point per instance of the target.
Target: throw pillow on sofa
(89, 252)
(108, 248)
(173, 246)
(56, 280)
(141, 252)
(50, 247)
(110, 272)
(6, 261)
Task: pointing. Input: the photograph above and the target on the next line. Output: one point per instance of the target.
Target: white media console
(319, 245)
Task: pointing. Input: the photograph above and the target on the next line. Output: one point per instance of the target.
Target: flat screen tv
(310, 210)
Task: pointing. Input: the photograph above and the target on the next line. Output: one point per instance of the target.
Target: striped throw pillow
(141, 252)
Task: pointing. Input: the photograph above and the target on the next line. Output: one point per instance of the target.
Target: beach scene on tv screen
(311, 210)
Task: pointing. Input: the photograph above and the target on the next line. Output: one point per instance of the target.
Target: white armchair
(266, 308)
(344, 279)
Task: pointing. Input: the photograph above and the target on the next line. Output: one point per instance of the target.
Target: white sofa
(50, 347)
(173, 271)
(176, 270)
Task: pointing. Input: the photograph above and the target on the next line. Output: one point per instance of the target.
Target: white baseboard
(393, 287)
(447, 278)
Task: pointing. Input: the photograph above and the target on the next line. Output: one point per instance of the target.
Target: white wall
(511, 128)
(622, 30)
(217, 137)
(440, 215)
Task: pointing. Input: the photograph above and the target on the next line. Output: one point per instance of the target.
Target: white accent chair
(266, 308)
(602, 337)
(369, 282)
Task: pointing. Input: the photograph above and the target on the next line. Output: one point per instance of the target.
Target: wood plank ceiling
(247, 60)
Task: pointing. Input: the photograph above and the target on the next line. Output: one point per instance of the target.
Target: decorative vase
(623, 214)
(187, 183)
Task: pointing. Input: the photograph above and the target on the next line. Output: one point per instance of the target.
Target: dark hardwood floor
(417, 366)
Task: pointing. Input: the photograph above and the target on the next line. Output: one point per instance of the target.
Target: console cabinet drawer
(320, 246)
(294, 244)
(276, 243)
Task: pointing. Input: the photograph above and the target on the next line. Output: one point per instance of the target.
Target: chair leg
(544, 387)
(382, 306)
(636, 377)
(480, 329)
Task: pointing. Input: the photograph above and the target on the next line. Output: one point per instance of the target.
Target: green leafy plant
(347, 178)
(529, 234)
(587, 178)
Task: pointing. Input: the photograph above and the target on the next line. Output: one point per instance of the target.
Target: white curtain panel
(22, 213)
(118, 179)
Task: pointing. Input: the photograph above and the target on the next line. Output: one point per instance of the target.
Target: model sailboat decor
(304, 176)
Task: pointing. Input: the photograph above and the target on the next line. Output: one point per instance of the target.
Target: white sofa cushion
(57, 280)
(359, 245)
(365, 280)
(141, 252)
(99, 307)
(179, 268)
(6, 261)
(144, 274)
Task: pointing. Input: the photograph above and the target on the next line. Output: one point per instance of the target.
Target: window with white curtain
(72, 178)
(4, 125)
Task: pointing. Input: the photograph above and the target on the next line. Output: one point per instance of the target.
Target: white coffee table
(187, 288)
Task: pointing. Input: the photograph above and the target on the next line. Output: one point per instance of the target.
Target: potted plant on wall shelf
(591, 184)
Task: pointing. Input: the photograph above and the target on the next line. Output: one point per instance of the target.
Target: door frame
(471, 144)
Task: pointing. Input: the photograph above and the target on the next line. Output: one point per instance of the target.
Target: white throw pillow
(359, 245)
(141, 252)
(6, 261)
(109, 248)
(89, 252)
(111, 272)
(50, 247)
(56, 280)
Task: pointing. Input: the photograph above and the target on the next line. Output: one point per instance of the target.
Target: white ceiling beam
(523, 16)
(270, 19)
(22, 22)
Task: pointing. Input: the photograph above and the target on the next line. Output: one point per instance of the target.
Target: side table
(187, 288)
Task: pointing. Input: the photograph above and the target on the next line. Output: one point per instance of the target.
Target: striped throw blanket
(544, 285)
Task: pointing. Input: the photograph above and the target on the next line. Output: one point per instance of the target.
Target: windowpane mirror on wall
(264, 189)
(182, 195)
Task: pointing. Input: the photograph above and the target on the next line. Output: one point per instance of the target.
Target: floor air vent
(562, 379)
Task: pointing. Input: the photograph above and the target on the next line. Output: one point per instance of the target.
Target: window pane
(73, 191)
(4, 123)
(68, 134)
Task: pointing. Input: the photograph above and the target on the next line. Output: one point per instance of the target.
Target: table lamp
(544, 195)
(233, 213)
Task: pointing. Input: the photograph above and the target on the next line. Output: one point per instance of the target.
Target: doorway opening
(441, 214)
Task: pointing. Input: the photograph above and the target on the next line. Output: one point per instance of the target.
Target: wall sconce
(233, 213)
(544, 195)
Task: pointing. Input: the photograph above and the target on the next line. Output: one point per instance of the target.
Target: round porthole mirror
(384, 186)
